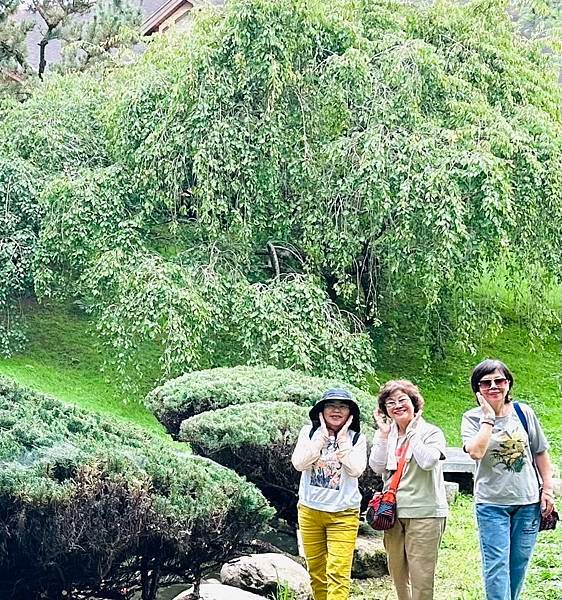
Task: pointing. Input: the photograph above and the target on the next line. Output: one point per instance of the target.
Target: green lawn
(458, 569)
(62, 359)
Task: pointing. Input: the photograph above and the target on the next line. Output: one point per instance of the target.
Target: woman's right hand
(487, 409)
(382, 422)
(323, 428)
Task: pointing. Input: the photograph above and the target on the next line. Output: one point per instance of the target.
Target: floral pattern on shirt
(510, 451)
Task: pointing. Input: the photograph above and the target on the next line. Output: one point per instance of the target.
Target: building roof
(165, 11)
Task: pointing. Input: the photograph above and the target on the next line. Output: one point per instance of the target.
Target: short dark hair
(405, 386)
(489, 366)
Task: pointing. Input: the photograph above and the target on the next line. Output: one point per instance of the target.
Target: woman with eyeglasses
(331, 455)
(413, 542)
(506, 488)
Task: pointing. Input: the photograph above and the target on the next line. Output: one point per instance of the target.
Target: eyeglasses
(393, 403)
(486, 384)
(333, 405)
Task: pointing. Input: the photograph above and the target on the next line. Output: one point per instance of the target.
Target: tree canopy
(275, 185)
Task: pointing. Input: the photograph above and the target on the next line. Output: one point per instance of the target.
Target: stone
(216, 591)
(370, 558)
(261, 573)
(458, 461)
(557, 487)
(451, 490)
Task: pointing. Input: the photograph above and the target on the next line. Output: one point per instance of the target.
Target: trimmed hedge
(257, 440)
(202, 391)
(93, 505)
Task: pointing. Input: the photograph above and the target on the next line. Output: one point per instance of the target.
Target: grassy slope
(61, 360)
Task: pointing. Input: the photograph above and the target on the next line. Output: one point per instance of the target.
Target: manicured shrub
(89, 506)
(200, 391)
(257, 440)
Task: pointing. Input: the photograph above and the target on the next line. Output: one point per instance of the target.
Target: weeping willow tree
(292, 174)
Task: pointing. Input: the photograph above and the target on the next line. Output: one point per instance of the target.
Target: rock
(370, 557)
(451, 490)
(216, 591)
(557, 487)
(261, 573)
(458, 461)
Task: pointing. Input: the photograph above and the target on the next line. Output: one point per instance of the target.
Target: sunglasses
(486, 384)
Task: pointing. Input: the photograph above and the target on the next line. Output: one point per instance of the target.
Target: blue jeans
(507, 538)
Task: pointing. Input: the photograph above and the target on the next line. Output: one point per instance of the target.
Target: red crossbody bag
(381, 510)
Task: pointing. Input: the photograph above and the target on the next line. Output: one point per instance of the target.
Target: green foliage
(212, 389)
(91, 210)
(57, 131)
(284, 592)
(248, 425)
(19, 223)
(410, 143)
(195, 316)
(292, 172)
(12, 41)
(257, 441)
(88, 503)
(105, 36)
(86, 32)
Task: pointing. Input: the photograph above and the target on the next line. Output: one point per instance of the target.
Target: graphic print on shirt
(327, 470)
(510, 451)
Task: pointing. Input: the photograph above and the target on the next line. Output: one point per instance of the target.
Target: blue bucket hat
(342, 396)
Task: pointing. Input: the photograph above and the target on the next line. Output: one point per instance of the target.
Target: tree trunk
(42, 61)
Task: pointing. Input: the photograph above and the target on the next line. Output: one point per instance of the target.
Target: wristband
(487, 422)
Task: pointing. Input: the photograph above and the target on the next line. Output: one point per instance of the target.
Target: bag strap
(525, 424)
(522, 418)
(397, 475)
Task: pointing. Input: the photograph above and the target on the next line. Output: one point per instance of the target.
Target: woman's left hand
(342, 433)
(414, 422)
(547, 503)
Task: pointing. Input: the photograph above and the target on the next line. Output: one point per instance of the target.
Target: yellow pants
(329, 541)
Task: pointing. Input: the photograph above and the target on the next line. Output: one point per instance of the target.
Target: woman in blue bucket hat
(331, 454)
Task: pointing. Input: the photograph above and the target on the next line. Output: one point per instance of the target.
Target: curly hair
(402, 385)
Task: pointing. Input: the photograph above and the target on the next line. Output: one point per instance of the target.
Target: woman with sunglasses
(413, 542)
(506, 489)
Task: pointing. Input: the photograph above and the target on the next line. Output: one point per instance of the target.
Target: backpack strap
(353, 441)
(525, 424)
(522, 418)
